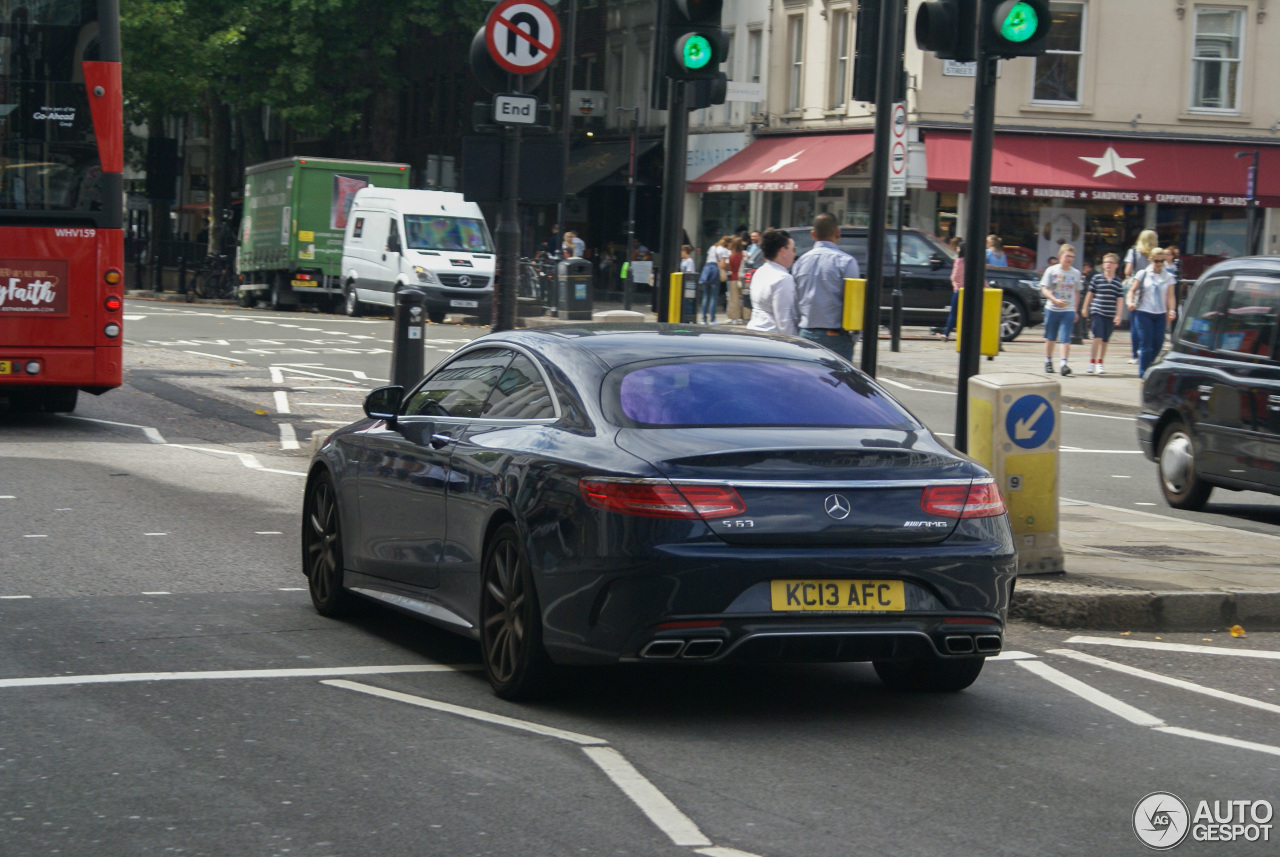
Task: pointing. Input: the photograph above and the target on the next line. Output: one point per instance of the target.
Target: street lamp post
(1251, 214)
(631, 205)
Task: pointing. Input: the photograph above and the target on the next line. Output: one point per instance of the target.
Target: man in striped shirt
(1102, 308)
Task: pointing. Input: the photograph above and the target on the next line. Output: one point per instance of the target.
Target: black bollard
(156, 282)
(182, 275)
(406, 344)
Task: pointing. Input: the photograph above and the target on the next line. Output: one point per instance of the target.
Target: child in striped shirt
(1102, 308)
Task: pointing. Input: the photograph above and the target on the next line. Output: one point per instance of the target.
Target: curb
(175, 297)
(1066, 398)
(1146, 611)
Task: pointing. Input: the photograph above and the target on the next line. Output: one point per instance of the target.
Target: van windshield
(432, 232)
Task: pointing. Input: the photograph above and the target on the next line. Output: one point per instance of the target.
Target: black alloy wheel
(929, 674)
(1176, 460)
(510, 622)
(350, 302)
(1013, 318)
(322, 549)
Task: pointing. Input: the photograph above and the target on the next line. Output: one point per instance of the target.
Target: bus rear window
(747, 392)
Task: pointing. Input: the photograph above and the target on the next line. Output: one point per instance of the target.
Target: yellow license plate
(305, 284)
(6, 367)
(837, 595)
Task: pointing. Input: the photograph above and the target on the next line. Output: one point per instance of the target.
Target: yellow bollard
(675, 295)
(992, 305)
(854, 300)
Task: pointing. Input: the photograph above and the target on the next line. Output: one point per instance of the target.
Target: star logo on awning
(783, 162)
(1111, 162)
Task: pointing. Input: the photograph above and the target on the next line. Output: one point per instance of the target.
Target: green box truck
(295, 214)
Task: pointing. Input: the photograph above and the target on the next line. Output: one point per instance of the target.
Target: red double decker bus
(61, 201)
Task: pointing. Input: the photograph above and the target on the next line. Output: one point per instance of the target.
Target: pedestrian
(1102, 307)
(954, 243)
(995, 252)
(1137, 259)
(820, 274)
(773, 289)
(552, 247)
(957, 283)
(687, 265)
(709, 290)
(579, 246)
(1173, 264)
(754, 255)
(1152, 303)
(737, 255)
(1060, 286)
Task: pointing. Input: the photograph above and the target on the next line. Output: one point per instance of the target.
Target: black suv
(926, 279)
(1211, 407)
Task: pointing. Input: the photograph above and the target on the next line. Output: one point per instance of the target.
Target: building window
(1059, 68)
(1215, 60)
(839, 57)
(755, 55)
(729, 73)
(795, 58)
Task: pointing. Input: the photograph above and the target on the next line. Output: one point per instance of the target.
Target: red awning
(785, 163)
(1101, 169)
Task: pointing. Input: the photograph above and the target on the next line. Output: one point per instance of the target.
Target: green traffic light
(1021, 23)
(695, 52)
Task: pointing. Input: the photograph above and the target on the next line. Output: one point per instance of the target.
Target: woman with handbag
(1137, 259)
(1152, 303)
(736, 256)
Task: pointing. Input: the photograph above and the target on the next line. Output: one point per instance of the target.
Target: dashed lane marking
(155, 534)
(157, 592)
(209, 675)
(13, 597)
(288, 437)
(282, 401)
(36, 536)
(153, 435)
(1164, 679)
(1176, 647)
(216, 357)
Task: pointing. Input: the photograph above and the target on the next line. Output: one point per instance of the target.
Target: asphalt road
(165, 686)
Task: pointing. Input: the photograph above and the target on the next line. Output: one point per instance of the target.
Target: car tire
(1013, 318)
(436, 316)
(1176, 468)
(929, 674)
(322, 549)
(351, 301)
(510, 620)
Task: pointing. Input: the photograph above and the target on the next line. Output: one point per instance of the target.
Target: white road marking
(7, 497)
(720, 851)
(1164, 679)
(157, 592)
(330, 422)
(132, 317)
(250, 461)
(330, 405)
(653, 803)
(35, 537)
(1091, 694)
(1103, 451)
(216, 357)
(1118, 476)
(1231, 531)
(277, 377)
(339, 389)
(152, 434)
(155, 534)
(1220, 739)
(1012, 656)
(293, 589)
(12, 597)
(282, 401)
(1176, 647)
(268, 533)
(206, 675)
(288, 437)
(293, 371)
(471, 713)
(1144, 504)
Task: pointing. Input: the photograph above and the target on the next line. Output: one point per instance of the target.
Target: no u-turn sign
(523, 36)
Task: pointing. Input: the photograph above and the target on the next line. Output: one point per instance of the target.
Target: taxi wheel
(322, 549)
(929, 674)
(1182, 488)
(510, 621)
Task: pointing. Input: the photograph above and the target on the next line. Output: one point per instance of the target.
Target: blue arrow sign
(1029, 423)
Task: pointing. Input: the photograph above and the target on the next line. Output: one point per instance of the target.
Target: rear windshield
(430, 232)
(749, 392)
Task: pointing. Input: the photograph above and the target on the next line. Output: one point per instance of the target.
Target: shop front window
(1216, 60)
(1060, 68)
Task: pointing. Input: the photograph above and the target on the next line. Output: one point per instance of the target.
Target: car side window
(393, 237)
(915, 251)
(460, 387)
(1249, 325)
(1201, 312)
(357, 231)
(520, 394)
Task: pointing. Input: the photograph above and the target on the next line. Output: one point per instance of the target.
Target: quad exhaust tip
(662, 649)
(959, 644)
(693, 649)
(702, 648)
(988, 644)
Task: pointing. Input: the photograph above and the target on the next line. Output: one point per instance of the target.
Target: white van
(432, 240)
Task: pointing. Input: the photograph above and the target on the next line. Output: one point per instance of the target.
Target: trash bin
(574, 281)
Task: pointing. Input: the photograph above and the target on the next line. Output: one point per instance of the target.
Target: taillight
(661, 499)
(113, 303)
(979, 500)
(112, 277)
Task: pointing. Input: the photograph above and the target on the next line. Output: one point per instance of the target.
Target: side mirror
(935, 263)
(383, 403)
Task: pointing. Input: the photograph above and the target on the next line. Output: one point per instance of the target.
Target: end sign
(515, 110)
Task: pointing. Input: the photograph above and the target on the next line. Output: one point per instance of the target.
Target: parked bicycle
(216, 279)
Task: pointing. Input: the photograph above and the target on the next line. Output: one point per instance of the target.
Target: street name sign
(523, 36)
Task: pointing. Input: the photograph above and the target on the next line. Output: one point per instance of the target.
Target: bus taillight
(112, 276)
(113, 303)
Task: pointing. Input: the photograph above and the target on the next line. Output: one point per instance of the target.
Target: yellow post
(675, 295)
(992, 304)
(854, 301)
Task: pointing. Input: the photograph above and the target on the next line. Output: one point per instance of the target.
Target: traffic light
(949, 28)
(1016, 28)
(866, 54)
(693, 42)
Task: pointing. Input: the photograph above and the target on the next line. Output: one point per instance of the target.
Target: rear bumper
(94, 369)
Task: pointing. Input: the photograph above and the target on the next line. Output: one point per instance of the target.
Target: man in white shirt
(773, 290)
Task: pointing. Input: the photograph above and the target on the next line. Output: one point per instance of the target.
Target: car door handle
(439, 441)
(1273, 403)
(1205, 391)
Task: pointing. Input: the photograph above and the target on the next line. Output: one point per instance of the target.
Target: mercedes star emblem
(464, 281)
(837, 507)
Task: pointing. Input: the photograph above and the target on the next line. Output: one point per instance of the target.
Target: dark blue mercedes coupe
(596, 494)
